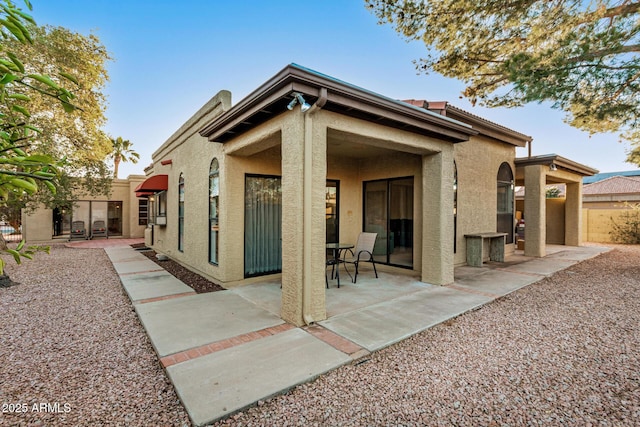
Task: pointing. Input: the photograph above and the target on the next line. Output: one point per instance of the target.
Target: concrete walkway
(227, 350)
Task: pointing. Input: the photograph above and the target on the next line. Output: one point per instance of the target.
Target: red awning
(153, 184)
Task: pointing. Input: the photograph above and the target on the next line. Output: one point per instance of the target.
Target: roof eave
(559, 161)
(341, 97)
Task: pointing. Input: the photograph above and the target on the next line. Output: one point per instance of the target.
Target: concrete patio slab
(156, 284)
(216, 385)
(578, 253)
(541, 266)
(496, 282)
(380, 325)
(179, 324)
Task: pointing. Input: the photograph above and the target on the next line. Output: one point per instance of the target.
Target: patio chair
(77, 230)
(363, 252)
(99, 229)
(330, 262)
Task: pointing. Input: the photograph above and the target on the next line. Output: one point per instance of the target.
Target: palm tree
(122, 152)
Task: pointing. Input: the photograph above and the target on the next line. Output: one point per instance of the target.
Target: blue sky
(171, 57)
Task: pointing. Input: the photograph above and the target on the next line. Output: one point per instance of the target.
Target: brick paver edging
(194, 353)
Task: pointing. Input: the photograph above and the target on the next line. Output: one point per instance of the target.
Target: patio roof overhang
(271, 99)
(555, 163)
(152, 185)
(559, 162)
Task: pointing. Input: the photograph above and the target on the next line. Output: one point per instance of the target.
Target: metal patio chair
(363, 252)
(99, 229)
(78, 231)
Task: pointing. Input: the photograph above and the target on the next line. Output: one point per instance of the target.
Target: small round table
(337, 249)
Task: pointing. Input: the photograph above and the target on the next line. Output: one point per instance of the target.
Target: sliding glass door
(262, 225)
(388, 211)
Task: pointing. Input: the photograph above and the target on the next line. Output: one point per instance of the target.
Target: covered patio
(378, 312)
(535, 173)
(390, 163)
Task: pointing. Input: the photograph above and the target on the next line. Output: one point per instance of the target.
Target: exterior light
(298, 99)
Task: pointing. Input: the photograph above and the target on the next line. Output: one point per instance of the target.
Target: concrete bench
(475, 247)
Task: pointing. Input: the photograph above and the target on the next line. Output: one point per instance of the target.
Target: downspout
(307, 203)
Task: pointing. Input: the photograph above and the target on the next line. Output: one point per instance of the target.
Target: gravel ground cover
(72, 345)
(560, 352)
(188, 277)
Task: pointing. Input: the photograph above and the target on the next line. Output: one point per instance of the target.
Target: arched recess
(181, 213)
(505, 207)
(214, 208)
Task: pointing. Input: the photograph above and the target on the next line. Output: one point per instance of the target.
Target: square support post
(437, 217)
(573, 214)
(303, 219)
(535, 180)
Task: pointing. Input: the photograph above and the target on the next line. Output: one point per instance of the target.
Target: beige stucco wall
(555, 227)
(38, 224)
(478, 161)
(190, 155)
(597, 223)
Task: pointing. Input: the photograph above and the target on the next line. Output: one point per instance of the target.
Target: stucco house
(259, 187)
(124, 214)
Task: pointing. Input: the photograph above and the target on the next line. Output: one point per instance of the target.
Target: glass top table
(337, 249)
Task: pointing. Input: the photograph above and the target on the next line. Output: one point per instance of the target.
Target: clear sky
(171, 57)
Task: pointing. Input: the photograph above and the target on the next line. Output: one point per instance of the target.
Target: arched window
(214, 192)
(181, 213)
(455, 206)
(505, 206)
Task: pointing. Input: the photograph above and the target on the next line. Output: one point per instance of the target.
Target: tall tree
(121, 151)
(582, 57)
(78, 137)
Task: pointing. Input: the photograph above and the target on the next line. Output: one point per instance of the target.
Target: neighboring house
(611, 193)
(124, 214)
(258, 188)
(604, 175)
(605, 200)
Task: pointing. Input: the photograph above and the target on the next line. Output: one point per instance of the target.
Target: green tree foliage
(23, 170)
(78, 137)
(552, 192)
(121, 151)
(582, 57)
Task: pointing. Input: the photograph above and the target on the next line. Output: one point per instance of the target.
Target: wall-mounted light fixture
(553, 167)
(298, 99)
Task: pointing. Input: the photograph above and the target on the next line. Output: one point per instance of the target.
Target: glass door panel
(262, 225)
(333, 231)
(375, 216)
(115, 218)
(401, 222)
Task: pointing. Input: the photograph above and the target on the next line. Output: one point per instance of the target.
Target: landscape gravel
(563, 351)
(72, 351)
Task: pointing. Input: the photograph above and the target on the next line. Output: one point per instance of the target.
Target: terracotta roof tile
(613, 185)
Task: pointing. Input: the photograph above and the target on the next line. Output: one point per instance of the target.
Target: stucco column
(573, 214)
(535, 180)
(303, 219)
(437, 217)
